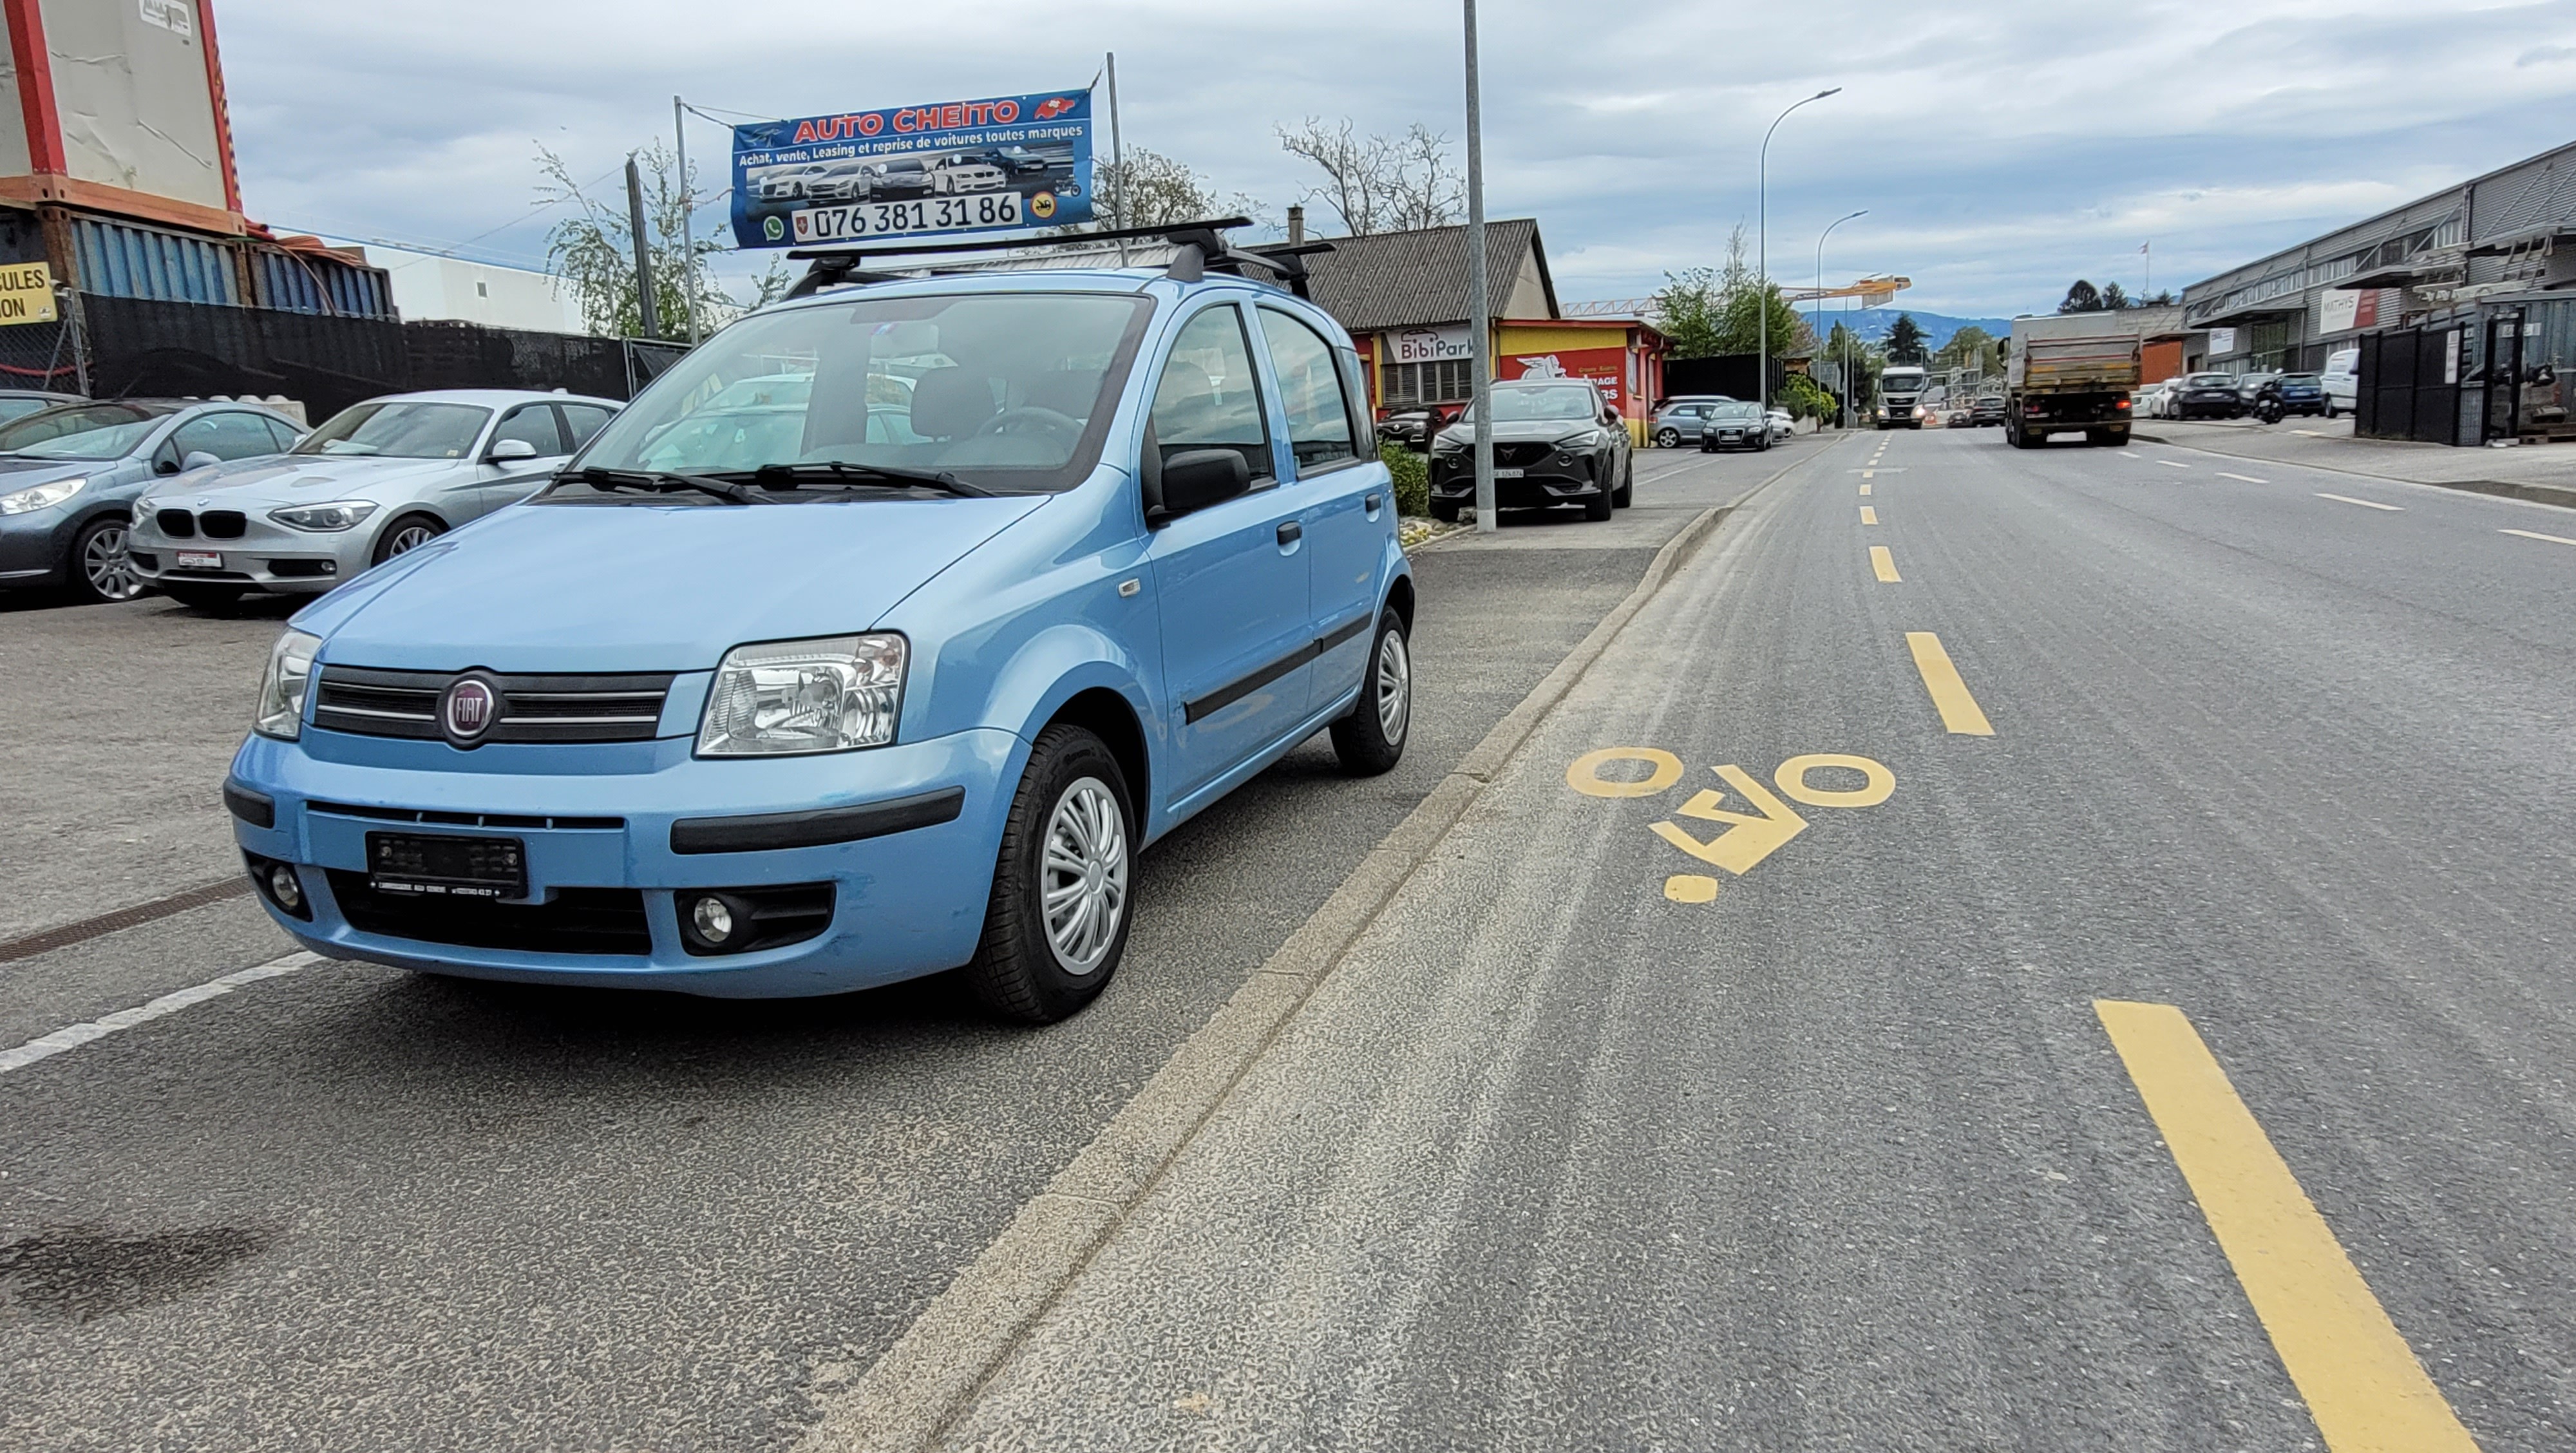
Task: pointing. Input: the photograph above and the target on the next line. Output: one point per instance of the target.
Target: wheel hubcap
(1083, 880)
(409, 538)
(107, 568)
(1394, 687)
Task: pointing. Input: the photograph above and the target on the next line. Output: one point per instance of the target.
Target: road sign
(26, 293)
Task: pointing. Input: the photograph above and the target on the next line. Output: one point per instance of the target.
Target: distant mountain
(1871, 324)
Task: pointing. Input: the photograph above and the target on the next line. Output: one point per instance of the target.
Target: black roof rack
(1201, 245)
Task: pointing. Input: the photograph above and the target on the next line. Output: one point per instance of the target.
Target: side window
(225, 436)
(1209, 397)
(533, 425)
(1355, 394)
(584, 420)
(283, 432)
(1310, 389)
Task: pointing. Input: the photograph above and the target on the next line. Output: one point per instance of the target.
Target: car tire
(1370, 740)
(1627, 492)
(201, 597)
(407, 533)
(1669, 439)
(1598, 507)
(97, 570)
(1072, 807)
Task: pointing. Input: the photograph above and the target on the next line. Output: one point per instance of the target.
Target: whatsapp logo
(775, 229)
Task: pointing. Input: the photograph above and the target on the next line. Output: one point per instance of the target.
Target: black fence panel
(1731, 374)
(141, 346)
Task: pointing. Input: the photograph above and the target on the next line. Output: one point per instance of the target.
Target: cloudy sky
(2002, 149)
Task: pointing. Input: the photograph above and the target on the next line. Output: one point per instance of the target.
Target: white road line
(77, 1035)
(2307, 433)
(2245, 478)
(2125, 454)
(2170, 464)
(2536, 535)
(2368, 504)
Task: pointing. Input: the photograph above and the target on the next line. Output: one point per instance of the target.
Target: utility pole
(1762, 245)
(688, 222)
(651, 325)
(1479, 330)
(1118, 159)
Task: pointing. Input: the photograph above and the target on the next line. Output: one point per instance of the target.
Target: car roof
(489, 397)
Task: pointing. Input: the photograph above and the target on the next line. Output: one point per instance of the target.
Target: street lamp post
(1815, 317)
(1479, 333)
(1762, 246)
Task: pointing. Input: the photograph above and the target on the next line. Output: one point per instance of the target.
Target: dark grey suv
(1556, 441)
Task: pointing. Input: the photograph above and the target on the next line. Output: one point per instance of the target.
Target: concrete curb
(2541, 494)
(963, 1336)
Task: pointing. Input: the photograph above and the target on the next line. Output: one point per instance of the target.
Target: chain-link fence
(41, 356)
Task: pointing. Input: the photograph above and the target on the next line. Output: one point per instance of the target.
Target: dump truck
(2069, 371)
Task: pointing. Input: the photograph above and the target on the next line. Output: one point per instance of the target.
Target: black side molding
(817, 828)
(1234, 691)
(257, 809)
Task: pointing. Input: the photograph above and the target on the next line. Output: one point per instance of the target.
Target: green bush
(1412, 478)
(1805, 398)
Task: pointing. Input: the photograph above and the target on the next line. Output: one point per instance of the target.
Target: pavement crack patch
(83, 1273)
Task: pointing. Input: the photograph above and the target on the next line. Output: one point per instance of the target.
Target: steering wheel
(1063, 426)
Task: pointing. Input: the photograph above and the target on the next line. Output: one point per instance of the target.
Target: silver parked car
(69, 476)
(377, 479)
(1679, 421)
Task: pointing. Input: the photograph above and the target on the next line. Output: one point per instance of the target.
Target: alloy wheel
(106, 566)
(409, 538)
(1082, 881)
(1394, 687)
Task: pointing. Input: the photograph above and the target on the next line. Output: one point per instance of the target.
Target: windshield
(1734, 411)
(2298, 378)
(1522, 405)
(2211, 380)
(399, 431)
(1009, 391)
(1901, 382)
(83, 431)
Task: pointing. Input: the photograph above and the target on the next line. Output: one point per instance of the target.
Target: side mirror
(511, 450)
(1610, 418)
(164, 464)
(198, 459)
(1203, 477)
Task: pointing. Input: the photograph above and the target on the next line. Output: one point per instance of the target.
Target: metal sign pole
(688, 223)
(649, 324)
(1118, 159)
(1479, 320)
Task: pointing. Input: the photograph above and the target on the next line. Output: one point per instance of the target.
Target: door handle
(1290, 532)
(1372, 502)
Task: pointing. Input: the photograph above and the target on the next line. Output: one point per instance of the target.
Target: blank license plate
(200, 560)
(1502, 473)
(447, 867)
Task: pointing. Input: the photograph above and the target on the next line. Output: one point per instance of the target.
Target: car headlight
(338, 515)
(1447, 444)
(788, 697)
(282, 686)
(43, 496)
(1581, 439)
(145, 509)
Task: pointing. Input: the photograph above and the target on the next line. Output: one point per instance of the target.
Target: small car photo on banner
(956, 166)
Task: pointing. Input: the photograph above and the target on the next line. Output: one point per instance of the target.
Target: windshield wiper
(667, 481)
(835, 469)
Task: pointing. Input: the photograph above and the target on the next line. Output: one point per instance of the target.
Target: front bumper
(34, 546)
(265, 556)
(1557, 479)
(905, 903)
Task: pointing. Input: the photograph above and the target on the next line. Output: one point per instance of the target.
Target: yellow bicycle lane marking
(1868, 515)
(1749, 837)
(2363, 1384)
(1960, 713)
(1883, 565)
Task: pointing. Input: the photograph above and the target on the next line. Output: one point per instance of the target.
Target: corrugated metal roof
(1418, 279)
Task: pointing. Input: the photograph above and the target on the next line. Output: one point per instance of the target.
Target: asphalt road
(1592, 1143)
(350, 1208)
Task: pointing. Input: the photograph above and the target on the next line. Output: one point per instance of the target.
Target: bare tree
(1380, 183)
(1150, 189)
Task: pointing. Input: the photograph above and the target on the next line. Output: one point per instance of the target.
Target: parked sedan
(2207, 396)
(380, 478)
(2300, 393)
(1987, 411)
(69, 475)
(1783, 424)
(18, 403)
(1733, 425)
(1679, 421)
(1413, 427)
(1556, 441)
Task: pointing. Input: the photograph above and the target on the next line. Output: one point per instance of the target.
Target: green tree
(1866, 361)
(1971, 347)
(2115, 298)
(1905, 342)
(2082, 298)
(1686, 312)
(593, 249)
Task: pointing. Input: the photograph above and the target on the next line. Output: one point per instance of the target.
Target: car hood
(17, 474)
(1521, 431)
(646, 587)
(313, 478)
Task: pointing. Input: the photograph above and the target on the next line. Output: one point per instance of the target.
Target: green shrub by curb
(1412, 478)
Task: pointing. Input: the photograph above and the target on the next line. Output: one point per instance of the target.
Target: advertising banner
(1606, 367)
(997, 165)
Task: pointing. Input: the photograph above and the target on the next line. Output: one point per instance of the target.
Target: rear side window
(1310, 390)
(585, 420)
(533, 425)
(225, 436)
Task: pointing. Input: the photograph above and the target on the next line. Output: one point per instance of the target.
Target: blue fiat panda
(874, 639)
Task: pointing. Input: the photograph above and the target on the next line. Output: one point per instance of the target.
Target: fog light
(283, 886)
(713, 919)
